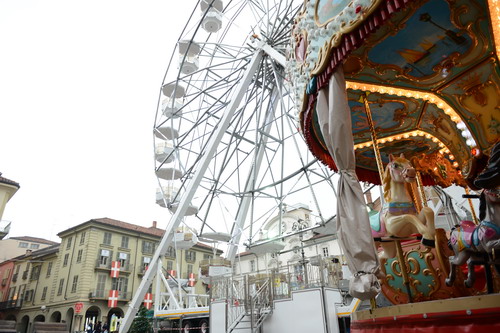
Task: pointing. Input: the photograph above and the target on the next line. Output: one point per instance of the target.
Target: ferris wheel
(229, 154)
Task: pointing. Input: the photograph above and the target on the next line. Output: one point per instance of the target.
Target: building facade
(297, 247)
(16, 246)
(91, 275)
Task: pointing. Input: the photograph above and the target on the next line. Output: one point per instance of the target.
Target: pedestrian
(105, 328)
(98, 327)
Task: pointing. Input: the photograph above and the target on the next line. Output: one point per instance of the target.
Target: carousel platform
(464, 314)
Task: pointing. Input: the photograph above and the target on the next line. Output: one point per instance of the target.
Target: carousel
(406, 94)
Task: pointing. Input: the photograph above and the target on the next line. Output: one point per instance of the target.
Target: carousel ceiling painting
(428, 69)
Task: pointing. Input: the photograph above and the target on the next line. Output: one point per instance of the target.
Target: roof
(38, 253)
(8, 181)
(152, 231)
(34, 240)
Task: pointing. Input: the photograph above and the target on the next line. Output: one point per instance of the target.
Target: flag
(148, 301)
(113, 299)
(115, 269)
(191, 280)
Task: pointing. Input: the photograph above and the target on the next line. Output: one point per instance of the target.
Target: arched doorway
(39, 318)
(55, 317)
(25, 323)
(69, 320)
(113, 315)
(92, 316)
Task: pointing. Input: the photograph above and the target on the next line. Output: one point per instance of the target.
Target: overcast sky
(79, 83)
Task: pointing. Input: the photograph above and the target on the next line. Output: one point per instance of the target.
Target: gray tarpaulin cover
(353, 226)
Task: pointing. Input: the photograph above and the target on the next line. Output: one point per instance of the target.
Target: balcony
(125, 269)
(11, 304)
(103, 266)
(124, 296)
(104, 295)
(97, 294)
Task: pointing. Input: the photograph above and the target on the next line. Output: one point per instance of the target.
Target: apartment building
(16, 246)
(91, 275)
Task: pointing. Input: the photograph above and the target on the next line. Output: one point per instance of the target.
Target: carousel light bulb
(398, 137)
(390, 139)
(461, 125)
(451, 157)
(434, 139)
(383, 141)
(406, 136)
(447, 151)
(455, 164)
(441, 145)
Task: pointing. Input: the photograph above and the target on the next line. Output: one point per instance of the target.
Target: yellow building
(72, 282)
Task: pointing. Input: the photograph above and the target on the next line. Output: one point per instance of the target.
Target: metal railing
(253, 294)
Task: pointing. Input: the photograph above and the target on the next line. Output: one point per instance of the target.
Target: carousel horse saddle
(468, 235)
(400, 208)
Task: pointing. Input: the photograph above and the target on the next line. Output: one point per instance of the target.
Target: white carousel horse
(398, 217)
(480, 244)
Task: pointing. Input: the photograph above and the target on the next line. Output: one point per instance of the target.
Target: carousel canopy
(428, 69)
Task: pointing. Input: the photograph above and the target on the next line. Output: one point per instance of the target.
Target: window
(65, 262)
(12, 292)
(34, 246)
(145, 262)
(104, 257)
(189, 270)
(120, 284)
(190, 255)
(82, 238)
(107, 238)
(170, 252)
(170, 265)
(101, 282)
(44, 293)
(124, 242)
(35, 272)
(123, 258)
(147, 247)
(252, 265)
(207, 256)
(325, 252)
(75, 284)
(68, 244)
(49, 269)
(61, 285)
(79, 256)
(28, 295)
(23, 245)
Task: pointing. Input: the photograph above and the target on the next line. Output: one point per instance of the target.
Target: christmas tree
(141, 322)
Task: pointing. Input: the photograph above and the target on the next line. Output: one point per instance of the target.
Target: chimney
(154, 224)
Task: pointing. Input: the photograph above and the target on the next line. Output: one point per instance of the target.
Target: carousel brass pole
(380, 166)
(472, 210)
(378, 159)
(421, 189)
